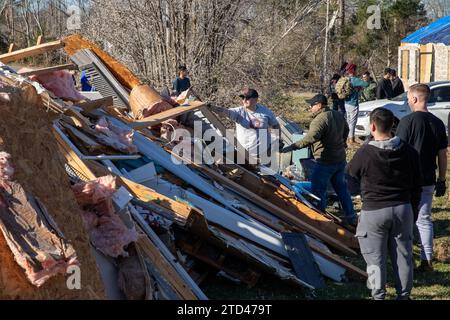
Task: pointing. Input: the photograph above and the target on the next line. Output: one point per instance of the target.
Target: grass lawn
(428, 286)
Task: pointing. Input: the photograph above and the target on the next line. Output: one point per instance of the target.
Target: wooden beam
(11, 48)
(76, 42)
(39, 40)
(37, 72)
(31, 51)
(166, 115)
(72, 159)
(96, 104)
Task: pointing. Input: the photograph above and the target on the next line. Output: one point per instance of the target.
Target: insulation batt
(113, 136)
(6, 170)
(37, 245)
(106, 230)
(155, 108)
(60, 83)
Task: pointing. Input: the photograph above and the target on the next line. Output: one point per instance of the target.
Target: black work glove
(287, 149)
(441, 188)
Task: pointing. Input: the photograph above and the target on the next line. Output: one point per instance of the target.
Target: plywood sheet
(25, 133)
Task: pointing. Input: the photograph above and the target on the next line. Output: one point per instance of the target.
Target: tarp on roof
(436, 32)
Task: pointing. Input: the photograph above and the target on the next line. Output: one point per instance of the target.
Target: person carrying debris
(384, 88)
(369, 93)
(397, 84)
(253, 122)
(327, 134)
(390, 176)
(182, 82)
(426, 133)
(348, 88)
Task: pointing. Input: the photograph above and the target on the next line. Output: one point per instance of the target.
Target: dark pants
(339, 105)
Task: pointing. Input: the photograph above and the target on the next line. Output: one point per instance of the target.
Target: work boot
(425, 266)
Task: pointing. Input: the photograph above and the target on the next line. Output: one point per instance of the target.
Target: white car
(439, 105)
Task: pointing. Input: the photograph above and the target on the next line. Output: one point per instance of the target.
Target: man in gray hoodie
(390, 176)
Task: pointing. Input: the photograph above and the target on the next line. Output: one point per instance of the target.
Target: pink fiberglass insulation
(156, 108)
(6, 170)
(115, 137)
(60, 83)
(96, 191)
(30, 232)
(106, 230)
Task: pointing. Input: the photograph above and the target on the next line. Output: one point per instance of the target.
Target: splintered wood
(25, 133)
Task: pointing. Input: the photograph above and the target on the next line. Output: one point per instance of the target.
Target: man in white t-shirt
(253, 123)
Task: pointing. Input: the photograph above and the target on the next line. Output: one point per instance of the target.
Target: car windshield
(401, 97)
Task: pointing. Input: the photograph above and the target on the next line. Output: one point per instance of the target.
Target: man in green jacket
(327, 135)
(369, 93)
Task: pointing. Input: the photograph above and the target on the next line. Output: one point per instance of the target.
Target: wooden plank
(166, 115)
(96, 104)
(72, 158)
(302, 259)
(150, 251)
(448, 73)
(37, 72)
(426, 60)
(11, 48)
(87, 141)
(31, 51)
(405, 65)
(147, 195)
(39, 40)
(76, 42)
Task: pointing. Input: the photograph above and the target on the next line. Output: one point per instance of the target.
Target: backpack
(344, 88)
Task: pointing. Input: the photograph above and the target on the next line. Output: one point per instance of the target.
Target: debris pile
(157, 228)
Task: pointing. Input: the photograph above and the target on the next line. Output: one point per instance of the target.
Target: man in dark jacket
(397, 84)
(182, 82)
(390, 176)
(327, 134)
(384, 89)
(426, 133)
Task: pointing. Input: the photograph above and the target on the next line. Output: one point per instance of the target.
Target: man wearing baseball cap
(253, 122)
(327, 136)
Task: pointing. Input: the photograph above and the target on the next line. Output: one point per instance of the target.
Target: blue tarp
(436, 32)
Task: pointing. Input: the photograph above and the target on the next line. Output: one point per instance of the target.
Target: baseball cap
(249, 93)
(319, 98)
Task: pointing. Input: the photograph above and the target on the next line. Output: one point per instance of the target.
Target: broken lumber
(166, 115)
(31, 51)
(279, 196)
(90, 106)
(75, 42)
(275, 210)
(37, 72)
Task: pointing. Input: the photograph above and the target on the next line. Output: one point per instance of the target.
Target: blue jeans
(321, 176)
(425, 223)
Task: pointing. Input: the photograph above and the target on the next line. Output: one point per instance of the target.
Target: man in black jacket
(397, 84)
(390, 176)
(384, 89)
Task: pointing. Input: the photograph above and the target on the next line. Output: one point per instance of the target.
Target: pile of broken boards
(156, 228)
